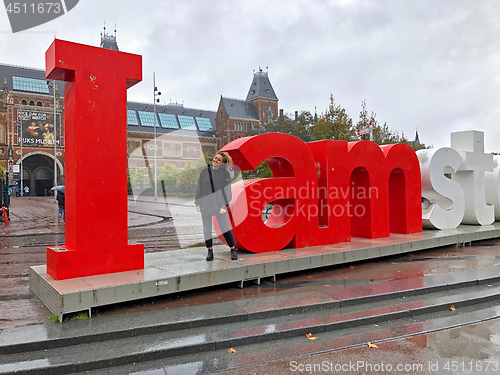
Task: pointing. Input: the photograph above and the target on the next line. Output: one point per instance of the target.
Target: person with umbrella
(61, 198)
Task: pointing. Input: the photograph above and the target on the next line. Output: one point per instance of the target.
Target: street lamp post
(55, 140)
(155, 94)
(20, 133)
(53, 86)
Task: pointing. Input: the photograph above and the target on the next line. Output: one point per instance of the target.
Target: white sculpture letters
(459, 184)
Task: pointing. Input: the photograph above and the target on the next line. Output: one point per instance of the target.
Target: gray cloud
(430, 65)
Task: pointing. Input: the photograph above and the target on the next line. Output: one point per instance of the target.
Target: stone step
(300, 347)
(185, 331)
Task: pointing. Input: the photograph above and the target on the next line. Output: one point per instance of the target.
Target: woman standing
(213, 194)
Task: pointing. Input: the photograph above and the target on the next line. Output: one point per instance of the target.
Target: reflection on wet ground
(408, 266)
(25, 246)
(471, 349)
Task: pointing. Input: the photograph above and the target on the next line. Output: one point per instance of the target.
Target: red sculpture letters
(323, 192)
(95, 97)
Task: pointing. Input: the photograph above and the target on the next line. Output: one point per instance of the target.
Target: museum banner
(37, 129)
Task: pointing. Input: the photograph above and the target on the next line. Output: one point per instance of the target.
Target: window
(147, 118)
(30, 84)
(132, 117)
(172, 149)
(43, 174)
(204, 124)
(38, 104)
(168, 120)
(187, 122)
(24, 102)
(32, 102)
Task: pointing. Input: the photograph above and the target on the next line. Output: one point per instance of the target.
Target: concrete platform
(182, 270)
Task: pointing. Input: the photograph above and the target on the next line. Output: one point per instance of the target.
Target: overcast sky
(427, 65)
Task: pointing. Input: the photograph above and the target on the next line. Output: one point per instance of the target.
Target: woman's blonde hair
(226, 159)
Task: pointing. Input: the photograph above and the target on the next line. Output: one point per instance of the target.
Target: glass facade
(30, 84)
(147, 118)
(187, 122)
(132, 117)
(168, 121)
(204, 124)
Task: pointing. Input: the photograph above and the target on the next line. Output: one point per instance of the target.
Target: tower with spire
(416, 142)
(109, 41)
(236, 117)
(263, 97)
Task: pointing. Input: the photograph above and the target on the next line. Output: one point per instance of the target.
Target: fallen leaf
(353, 266)
(326, 285)
(452, 308)
(310, 336)
(371, 346)
(231, 350)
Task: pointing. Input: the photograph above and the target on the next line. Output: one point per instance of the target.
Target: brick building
(29, 136)
(236, 117)
(28, 131)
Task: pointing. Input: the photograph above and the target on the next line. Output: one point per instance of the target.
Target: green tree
(298, 127)
(188, 177)
(2, 171)
(168, 174)
(382, 135)
(139, 179)
(334, 124)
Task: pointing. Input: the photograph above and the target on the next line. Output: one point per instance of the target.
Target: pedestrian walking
(61, 198)
(26, 191)
(213, 194)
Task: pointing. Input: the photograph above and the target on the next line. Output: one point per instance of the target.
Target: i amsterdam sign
(323, 192)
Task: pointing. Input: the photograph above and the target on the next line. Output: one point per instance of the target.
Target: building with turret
(236, 117)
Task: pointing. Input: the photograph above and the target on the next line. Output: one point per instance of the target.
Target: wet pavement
(33, 226)
(473, 348)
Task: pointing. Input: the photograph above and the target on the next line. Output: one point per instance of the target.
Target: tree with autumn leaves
(382, 135)
(334, 124)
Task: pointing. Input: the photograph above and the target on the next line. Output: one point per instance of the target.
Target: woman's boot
(210, 255)
(233, 254)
